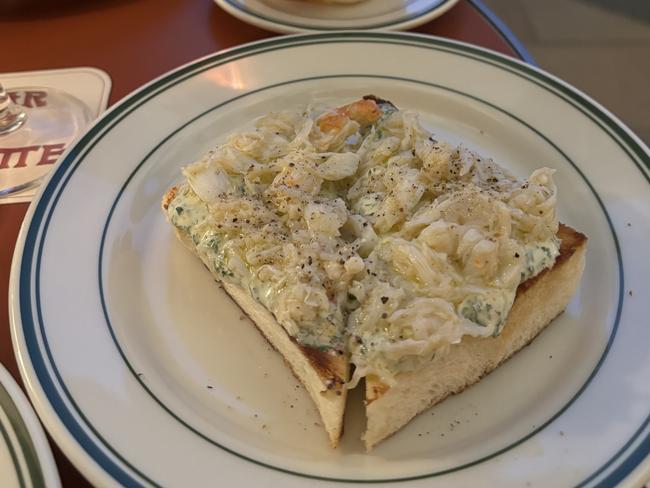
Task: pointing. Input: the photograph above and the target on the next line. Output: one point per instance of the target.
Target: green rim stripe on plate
(415, 15)
(24, 439)
(12, 453)
(67, 167)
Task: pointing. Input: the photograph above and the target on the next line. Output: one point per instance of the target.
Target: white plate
(25, 456)
(289, 16)
(145, 373)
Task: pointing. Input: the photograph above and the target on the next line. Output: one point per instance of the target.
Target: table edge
(503, 30)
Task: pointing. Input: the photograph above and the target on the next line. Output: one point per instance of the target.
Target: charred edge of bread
(376, 388)
(571, 241)
(169, 196)
(330, 370)
(330, 367)
(327, 364)
(379, 101)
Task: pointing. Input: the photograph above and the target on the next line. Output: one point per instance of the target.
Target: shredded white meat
(360, 231)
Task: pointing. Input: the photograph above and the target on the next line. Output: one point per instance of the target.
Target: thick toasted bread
(323, 373)
(296, 178)
(539, 300)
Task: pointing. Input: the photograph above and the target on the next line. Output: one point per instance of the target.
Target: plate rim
(276, 25)
(32, 440)
(92, 470)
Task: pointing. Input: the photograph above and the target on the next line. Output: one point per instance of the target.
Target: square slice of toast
(341, 194)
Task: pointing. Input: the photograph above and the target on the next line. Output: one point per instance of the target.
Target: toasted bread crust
(327, 364)
(169, 196)
(571, 241)
(379, 101)
(554, 286)
(375, 389)
(323, 373)
(331, 367)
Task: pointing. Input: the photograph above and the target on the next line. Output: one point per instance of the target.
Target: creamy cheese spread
(360, 231)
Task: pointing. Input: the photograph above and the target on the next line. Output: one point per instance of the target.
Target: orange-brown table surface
(135, 41)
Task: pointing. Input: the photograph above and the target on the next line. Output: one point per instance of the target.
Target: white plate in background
(25, 456)
(288, 16)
